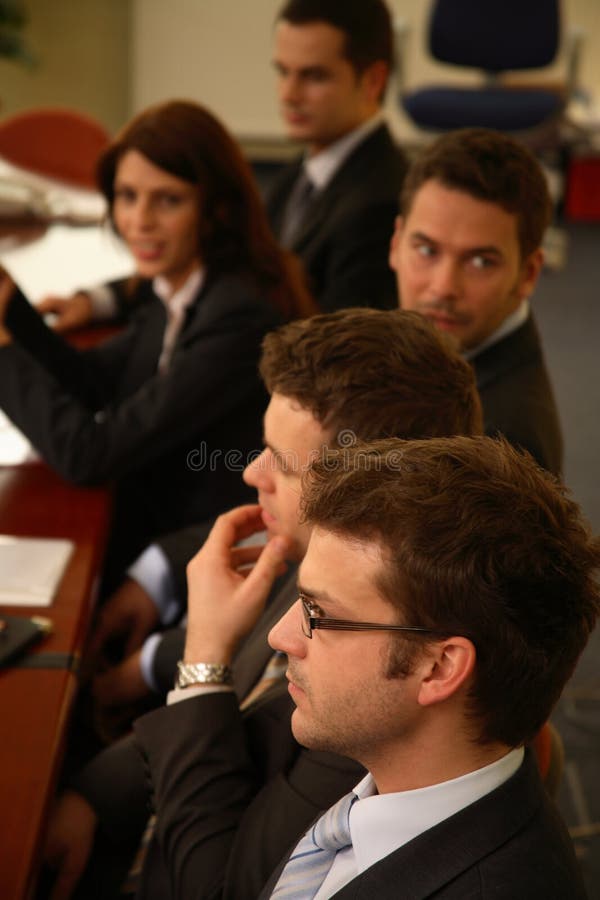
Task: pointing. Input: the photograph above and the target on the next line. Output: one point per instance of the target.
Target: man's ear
(530, 271)
(395, 243)
(374, 79)
(447, 666)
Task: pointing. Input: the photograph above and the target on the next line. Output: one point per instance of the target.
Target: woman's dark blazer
(175, 444)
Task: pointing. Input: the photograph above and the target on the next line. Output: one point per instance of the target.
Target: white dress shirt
(381, 823)
(321, 167)
(104, 305)
(176, 304)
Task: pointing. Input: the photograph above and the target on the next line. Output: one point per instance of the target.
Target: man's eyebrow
(421, 236)
(487, 249)
(303, 71)
(315, 595)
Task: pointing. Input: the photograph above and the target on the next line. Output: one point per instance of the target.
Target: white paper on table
(31, 568)
(67, 259)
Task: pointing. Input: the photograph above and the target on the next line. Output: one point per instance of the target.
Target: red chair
(58, 143)
(549, 751)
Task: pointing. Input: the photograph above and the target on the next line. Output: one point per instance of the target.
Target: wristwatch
(202, 673)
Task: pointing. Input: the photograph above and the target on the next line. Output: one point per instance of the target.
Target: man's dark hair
(492, 167)
(373, 373)
(477, 541)
(366, 25)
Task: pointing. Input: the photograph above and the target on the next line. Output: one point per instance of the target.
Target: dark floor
(567, 308)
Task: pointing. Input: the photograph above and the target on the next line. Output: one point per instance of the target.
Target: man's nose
(258, 473)
(446, 280)
(287, 635)
(289, 89)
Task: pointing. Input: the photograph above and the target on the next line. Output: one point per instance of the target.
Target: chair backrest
(495, 35)
(58, 143)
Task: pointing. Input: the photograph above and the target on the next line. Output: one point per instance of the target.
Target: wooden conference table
(35, 702)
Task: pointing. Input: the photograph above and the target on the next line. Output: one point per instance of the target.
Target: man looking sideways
(467, 255)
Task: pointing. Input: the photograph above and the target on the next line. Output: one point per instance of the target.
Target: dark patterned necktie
(296, 208)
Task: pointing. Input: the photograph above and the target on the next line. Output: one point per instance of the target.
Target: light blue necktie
(307, 867)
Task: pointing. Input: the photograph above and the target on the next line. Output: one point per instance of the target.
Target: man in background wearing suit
(335, 206)
(467, 255)
(485, 571)
(358, 373)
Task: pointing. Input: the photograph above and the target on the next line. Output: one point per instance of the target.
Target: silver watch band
(202, 673)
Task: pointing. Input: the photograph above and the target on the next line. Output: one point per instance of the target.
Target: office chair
(494, 38)
(57, 143)
(550, 755)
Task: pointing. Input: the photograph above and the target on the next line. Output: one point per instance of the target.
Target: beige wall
(218, 52)
(113, 57)
(83, 51)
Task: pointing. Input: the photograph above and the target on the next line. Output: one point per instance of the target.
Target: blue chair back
(495, 36)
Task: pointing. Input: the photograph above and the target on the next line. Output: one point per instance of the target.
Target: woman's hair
(187, 141)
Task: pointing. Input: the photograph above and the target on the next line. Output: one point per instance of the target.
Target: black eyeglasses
(312, 618)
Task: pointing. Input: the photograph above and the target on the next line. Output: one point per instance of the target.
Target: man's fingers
(268, 566)
(242, 556)
(104, 630)
(121, 684)
(235, 525)
(135, 640)
(49, 304)
(65, 882)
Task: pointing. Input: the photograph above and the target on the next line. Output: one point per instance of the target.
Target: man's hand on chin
(228, 585)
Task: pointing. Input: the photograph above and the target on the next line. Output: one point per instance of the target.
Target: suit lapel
(443, 853)
(520, 348)
(254, 655)
(143, 361)
(348, 175)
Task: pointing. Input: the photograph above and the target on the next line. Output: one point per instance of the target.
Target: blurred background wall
(113, 57)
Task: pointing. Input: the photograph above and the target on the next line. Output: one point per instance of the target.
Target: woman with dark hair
(169, 408)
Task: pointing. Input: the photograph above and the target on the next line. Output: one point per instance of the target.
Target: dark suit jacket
(509, 845)
(234, 793)
(232, 786)
(204, 749)
(344, 242)
(517, 397)
(106, 414)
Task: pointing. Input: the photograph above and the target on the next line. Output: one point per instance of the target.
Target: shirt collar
(322, 167)
(510, 324)
(381, 823)
(177, 301)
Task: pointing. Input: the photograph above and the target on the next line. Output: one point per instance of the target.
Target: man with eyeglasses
(446, 594)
